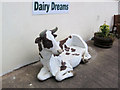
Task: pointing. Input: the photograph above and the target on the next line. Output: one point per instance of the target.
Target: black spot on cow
(40, 55)
(40, 47)
(46, 42)
(67, 53)
(38, 41)
(76, 54)
(66, 48)
(63, 67)
(70, 36)
(73, 50)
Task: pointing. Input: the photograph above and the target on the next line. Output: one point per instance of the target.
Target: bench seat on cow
(74, 51)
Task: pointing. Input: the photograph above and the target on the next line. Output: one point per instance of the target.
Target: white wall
(20, 27)
(0, 45)
(119, 7)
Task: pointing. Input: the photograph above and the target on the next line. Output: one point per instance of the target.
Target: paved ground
(100, 72)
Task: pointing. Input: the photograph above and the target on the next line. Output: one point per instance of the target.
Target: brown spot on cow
(66, 48)
(73, 50)
(63, 63)
(76, 54)
(62, 42)
(67, 53)
(63, 67)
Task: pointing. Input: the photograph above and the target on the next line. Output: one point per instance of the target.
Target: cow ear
(54, 35)
(37, 40)
(40, 47)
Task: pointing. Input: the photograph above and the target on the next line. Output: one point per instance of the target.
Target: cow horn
(54, 30)
(43, 33)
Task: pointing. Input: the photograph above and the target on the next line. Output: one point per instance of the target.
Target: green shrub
(105, 30)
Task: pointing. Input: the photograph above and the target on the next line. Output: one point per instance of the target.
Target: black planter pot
(103, 42)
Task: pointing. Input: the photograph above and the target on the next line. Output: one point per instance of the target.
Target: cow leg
(44, 74)
(61, 75)
(85, 58)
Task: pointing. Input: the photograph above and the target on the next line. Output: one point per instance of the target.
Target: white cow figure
(59, 58)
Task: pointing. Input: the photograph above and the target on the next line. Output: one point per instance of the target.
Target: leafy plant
(105, 30)
(103, 38)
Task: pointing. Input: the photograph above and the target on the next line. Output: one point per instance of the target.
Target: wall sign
(44, 7)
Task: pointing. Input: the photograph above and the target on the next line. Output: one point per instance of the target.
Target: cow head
(46, 41)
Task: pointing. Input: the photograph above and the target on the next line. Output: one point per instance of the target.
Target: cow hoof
(72, 72)
(40, 78)
(84, 61)
(69, 75)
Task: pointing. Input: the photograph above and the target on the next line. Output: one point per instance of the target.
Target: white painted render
(0, 45)
(20, 28)
(119, 7)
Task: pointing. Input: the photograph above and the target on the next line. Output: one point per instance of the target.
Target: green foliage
(105, 30)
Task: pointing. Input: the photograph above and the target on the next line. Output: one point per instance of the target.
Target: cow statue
(59, 58)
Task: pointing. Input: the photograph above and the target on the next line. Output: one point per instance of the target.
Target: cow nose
(60, 51)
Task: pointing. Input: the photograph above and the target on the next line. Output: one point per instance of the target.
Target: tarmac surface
(100, 72)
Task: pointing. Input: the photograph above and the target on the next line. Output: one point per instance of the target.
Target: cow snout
(60, 51)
